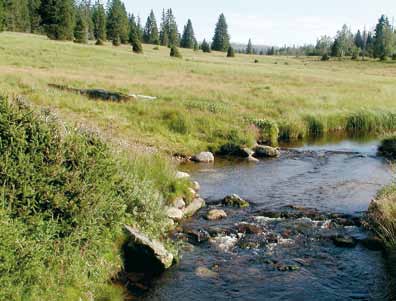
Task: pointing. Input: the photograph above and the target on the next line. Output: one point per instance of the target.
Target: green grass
(64, 197)
(203, 99)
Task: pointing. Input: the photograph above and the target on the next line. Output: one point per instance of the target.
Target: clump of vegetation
(64, 198)
(174, 52)
(268, 131)
(325, 57)
(394, 57)
(205, 47)
(388, 148)
(231, 52)
(176, 121)
(316, 127)
(256, 61)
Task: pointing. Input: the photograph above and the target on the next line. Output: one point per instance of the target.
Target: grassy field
(204, 100)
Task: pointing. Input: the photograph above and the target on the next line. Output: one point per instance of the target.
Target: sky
(278, 23)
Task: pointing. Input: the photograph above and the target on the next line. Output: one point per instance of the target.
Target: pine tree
(135, 40)
(99, 21)
(58, 18)
(174, 52)
(196, 45)
(359, 42)
(16, 15)
(188, 38)
(164, 33)
(34, 15)
(221, 39)
(384, 39)
(1, 15)
(139, 28)
(230, 52)
(173, 34)
(150, 33)
(249, 48)
(87, 9)
(117, 22)
(205, 46)
(370, 45)
(81, 28)
(336, 50)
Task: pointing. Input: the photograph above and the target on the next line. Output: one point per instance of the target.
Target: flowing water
(283, 246)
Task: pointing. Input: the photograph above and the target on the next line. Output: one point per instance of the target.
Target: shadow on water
(301, 239)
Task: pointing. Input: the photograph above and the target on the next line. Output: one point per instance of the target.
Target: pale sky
(270, 22)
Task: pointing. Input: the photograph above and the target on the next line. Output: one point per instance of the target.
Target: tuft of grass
(387, 147)
(64, 196)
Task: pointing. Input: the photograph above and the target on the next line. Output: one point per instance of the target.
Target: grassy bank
(64, 197)
(204, 100)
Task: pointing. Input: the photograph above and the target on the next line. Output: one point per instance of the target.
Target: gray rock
(196, 186)
(262, 151)
(216, 214)
(182, 175)
(204, 272)
(174, 213)
(248, 152)
(179, 203)
(235, 201)
(192, 192)
(195, 205)
(344, 241)
(154, 247)
(204, 157)
(252, 159)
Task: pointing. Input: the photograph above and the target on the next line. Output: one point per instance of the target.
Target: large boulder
(174, 213)
(235, 201)
(216, 214)
(263, 151)
(204, 157)
(179, 203)
(143, 253)
(193, 208)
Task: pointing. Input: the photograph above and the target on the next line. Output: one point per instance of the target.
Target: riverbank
(203, 101)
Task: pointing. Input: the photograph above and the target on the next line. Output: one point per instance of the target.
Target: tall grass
(64, 196)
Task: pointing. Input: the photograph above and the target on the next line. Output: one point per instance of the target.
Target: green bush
(174, 52)
(176, 122)
(388, 148)
(325, 57)
(64, 198)
(316, 128)
(269, 131)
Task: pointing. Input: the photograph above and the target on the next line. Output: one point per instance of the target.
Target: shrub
(174, 52)
(176, 122)
(116, 41)
(269, 131)
(256, 61)
(64, 199)
(156, 48)
(230, 52)
(394, 57)
(99, 42)
(325, 57)
(388, 147)
(205, 46)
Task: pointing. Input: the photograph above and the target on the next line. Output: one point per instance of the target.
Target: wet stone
(249, 228)
(343, 241)
(196, 235)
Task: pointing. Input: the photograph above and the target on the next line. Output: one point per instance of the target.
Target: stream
(285, 245)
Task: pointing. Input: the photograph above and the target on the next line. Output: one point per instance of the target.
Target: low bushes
(64, 197)
(388, 147)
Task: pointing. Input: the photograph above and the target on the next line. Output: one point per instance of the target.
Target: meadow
(204, 100)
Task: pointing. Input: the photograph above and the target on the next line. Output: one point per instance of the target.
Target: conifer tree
(16, 15)
(173, 34)
(205, 46)
(1, 15)
(117, 22)
(135, 40)
(230, 52)
(99, 22)
(164, 33)
(81, 28)
(57, 18)
(188, 38)
(34, 15)
(140, 30)
(196, 45)
(359, 42)
(150, 33)
(383, 39)
(221, 39)
(249, 48)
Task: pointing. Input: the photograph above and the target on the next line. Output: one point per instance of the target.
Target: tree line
(380, 43)
(84, 20)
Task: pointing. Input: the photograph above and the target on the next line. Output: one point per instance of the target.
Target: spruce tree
(249, 48)
(135, 40)
(196, 45)
(221, 39)
(173, 34)
(16, 15)
(1, 15)
(57, 18)
(164, 32)
(150, 33)
(230, 52)
(117, 22)
(99, 23)
(81, 28)
(359, 42)
(188, 38)
(384, 39)
(34, 15)
(205, 46)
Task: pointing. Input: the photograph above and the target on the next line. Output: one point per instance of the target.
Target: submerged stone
(216, 214)
(262, 151)
(343, 241)
(235, 201)
(204, 157)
